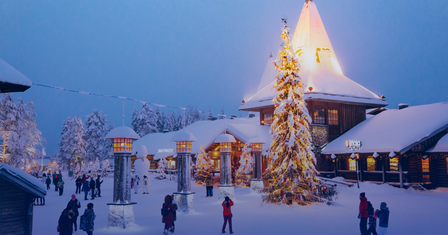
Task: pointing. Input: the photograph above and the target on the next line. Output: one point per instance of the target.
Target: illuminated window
(183, 146)
(121, 144)
(425, 165)
(370, 163)
(319, 116)
(351, 164)
(393, 163)
(225, 147)
(333, 117)
(268, 118)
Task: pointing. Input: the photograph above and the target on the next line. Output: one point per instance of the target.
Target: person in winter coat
(61, 186)
(132, 183)
(65, 222)
(90, 217)
(48, 182)
(98, 183)
(209, 186)
(145, 184)
(363, 213)
(55, 181)
(86, 189)
(74, 204)
(136, 183)
(78, 183)
(168, 218)
(173, 201)
(372, 219)
(92, 187)
(227, 213)
(383, 215)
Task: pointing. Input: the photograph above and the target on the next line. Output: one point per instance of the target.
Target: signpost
(354, 145)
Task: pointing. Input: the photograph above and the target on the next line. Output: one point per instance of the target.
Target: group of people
(135, 184)
(68, 220)
(368, 215)
(83, 184)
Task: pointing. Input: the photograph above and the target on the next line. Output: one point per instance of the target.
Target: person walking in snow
(61, 186)
(78, 183)
(86, 189)
(173, 201)
(383, 215)
(98, 183)
(363, 213)
(136, 180)
(74, 204)
(372, 219)
(145, 184)
(209, 186)
(89, 215)
(132, 183)
(48, 182)
(55, 181)
(227, 213)
(65, 222)
(92, 187)
(168, 213)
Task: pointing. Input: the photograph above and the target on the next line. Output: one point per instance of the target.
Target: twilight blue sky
(209, 54)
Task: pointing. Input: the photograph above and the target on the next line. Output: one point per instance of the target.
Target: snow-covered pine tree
(35, 135)
(290, 159)
(179, 122)
(170, 121)
(244, 172)
(134, 120)
(108, 144)
(162, 166)
(160, 117)
(202, 116)
(96, 128)
(72, 143)
(147, 121)
(210, 114)
(203, 166)
(223, 115)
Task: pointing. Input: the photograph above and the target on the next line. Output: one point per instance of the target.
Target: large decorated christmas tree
(203, 167)
(244, 172)
(291, 171)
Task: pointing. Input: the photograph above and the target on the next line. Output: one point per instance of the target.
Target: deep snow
(412, 212)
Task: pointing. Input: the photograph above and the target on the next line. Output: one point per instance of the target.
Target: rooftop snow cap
(225, 138)
(183, 136)
(256, 139)
(122, 132)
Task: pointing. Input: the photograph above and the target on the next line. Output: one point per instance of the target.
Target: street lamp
(225, 147)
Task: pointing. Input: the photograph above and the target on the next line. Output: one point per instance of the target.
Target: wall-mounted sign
(165, 150)
(353, 145)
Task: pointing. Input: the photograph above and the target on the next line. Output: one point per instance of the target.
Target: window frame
(316, 116)
(369, 164)
(332, 118)
(396, 164)
(351, 163)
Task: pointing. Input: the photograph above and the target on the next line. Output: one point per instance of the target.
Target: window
(393, 163)
(351, 164)
(333, 117)
(370, 163)
(425, 165)
(319, 116)
(268, 118)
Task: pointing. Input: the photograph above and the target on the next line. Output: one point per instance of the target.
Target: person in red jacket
(226, 206)
(363, 213)
(168, 218)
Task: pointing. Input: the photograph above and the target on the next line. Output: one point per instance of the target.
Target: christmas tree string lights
(203, 167)
(244, 172)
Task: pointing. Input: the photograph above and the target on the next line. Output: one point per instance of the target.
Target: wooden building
(399, 146)
(18, 189)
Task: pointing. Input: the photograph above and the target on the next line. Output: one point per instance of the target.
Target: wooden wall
(15, 205)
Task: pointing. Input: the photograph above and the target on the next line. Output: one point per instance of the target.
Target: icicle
(375, 155)
(333, 156)
(392, 154)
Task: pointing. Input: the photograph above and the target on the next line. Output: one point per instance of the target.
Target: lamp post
(121, 210)
(183, 196)
(225, 147)
(256, 184)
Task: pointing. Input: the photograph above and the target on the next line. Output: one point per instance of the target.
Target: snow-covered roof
(24, 180)
(183, 136)
(160, 144)
(320, 69)
(394, 130)
(225, 138)
(122, 132)
(441, 146)
(12, 78)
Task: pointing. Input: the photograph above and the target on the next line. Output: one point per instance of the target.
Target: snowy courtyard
(412, 212)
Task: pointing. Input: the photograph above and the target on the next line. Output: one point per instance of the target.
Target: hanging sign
(353, 145)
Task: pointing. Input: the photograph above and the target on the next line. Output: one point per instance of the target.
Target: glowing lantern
(122, 138)
(225, 142)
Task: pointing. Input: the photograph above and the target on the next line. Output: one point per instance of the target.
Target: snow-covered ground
(412, 212)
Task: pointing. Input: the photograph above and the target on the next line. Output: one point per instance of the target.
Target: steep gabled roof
(394, 130)
(320, 69)
(12, 80)
(24, 180)
(441, 146)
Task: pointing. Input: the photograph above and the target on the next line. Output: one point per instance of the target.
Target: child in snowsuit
(61, 186)
(383, 215)
(227, 213)
(372, 219)
(145, 184)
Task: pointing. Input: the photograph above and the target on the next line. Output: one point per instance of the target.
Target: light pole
(121, 210)
(184, 198)
(225, 147)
